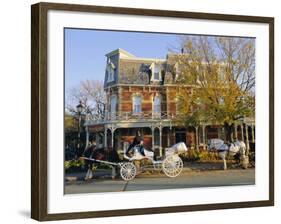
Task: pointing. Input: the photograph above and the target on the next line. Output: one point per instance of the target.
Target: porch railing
(129, 116)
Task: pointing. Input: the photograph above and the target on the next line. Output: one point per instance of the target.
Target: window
(157, 105)
(113, 105)
(137, 104)
(110, 72)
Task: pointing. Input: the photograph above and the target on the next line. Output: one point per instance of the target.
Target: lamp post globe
(79, 107)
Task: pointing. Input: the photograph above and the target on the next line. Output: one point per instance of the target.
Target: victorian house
(141, 95)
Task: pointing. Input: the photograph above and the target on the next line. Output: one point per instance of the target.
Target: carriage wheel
(172, 165)
(128, 171)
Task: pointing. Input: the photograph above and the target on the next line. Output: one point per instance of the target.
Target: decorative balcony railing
(128, 116)
(145, 117)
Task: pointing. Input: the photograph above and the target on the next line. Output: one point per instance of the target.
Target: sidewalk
(150, 172)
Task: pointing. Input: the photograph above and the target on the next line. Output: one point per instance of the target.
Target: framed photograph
(140, 111)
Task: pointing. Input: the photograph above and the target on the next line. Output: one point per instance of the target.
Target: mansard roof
(139, 70)
(121, 52)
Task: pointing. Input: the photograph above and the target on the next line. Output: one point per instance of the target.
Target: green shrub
(190, 156)
(208, 156)
(193, 155)
(103, 166)
(74, 165)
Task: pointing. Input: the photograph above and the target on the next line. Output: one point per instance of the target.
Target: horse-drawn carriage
(236, 148)
(171, 164)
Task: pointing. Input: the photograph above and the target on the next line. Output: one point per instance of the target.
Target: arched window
(157, 105)
(137, 104)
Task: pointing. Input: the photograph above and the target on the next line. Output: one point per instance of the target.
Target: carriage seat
(137, 155)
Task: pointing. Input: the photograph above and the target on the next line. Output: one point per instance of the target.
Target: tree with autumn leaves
(221, 72)
(91, 95)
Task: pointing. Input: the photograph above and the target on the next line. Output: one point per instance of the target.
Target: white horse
(231, 150)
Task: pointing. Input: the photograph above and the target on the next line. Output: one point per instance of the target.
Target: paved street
(187, 179)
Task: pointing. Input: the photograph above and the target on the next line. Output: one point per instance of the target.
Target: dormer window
(156, 72)
(110, 71)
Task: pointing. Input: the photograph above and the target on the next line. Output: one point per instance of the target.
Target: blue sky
(85, 50)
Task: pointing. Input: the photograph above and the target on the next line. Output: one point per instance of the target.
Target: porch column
(224, 133)
(105, 138)
(152, 135)
(247, 140)
(87, 136)
(197, 138)
(160, 141)
(253, 133)
(97, 139)
(242, 131)
(231, 136)
(168, 101)
(168, 140)
(112, 137)
(203, 136)
(235, 132)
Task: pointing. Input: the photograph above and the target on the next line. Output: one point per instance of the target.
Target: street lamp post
(79, 108)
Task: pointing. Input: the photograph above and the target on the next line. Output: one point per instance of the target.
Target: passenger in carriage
(138, 140)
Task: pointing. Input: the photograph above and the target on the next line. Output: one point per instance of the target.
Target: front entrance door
(181, 137)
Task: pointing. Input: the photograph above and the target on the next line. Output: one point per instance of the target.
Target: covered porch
(160, 135)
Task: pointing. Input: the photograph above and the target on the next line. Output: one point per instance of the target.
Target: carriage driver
(138, 140)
